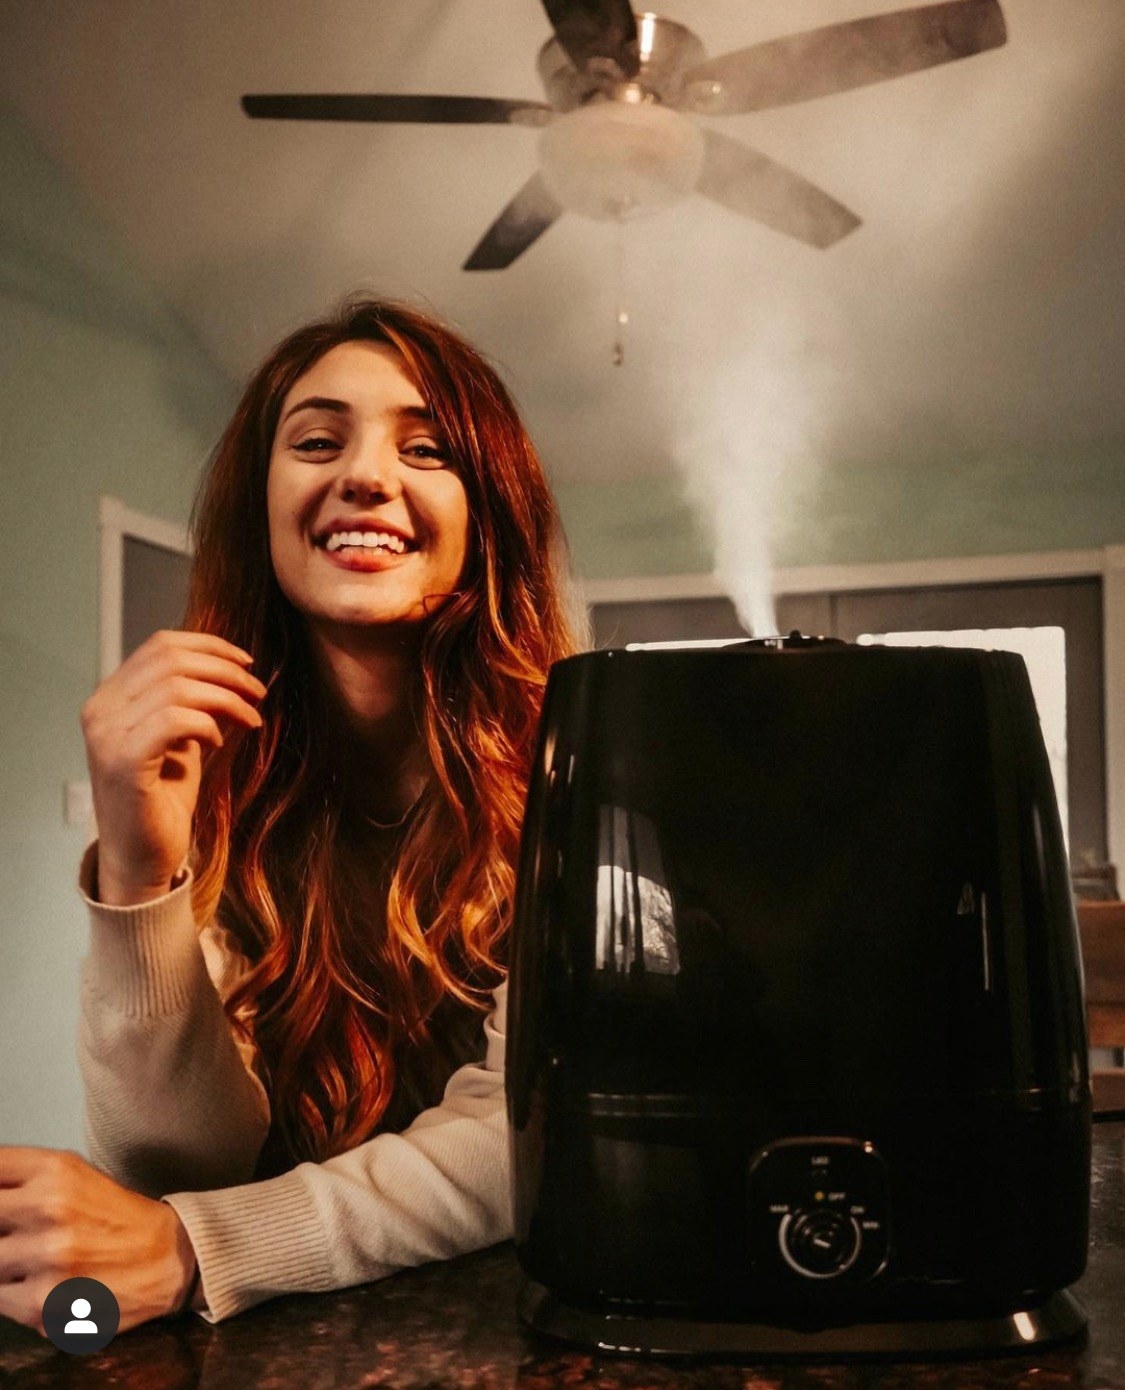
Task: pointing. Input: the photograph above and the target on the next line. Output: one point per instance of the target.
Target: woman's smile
(366, 545)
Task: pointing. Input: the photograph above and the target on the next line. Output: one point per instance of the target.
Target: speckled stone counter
(454, 1324)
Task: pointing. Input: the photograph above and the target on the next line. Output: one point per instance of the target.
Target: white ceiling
(982, 301)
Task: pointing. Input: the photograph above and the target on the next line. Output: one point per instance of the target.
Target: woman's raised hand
(144, 727)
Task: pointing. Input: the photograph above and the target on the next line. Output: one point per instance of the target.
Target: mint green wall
(1068, 497)
(639, 526)
(101, 391)
(994, 502)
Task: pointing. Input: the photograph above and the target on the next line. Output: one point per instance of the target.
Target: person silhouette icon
(81, 1316)
(80, 1322)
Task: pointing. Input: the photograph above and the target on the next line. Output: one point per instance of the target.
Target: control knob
(819, 1244)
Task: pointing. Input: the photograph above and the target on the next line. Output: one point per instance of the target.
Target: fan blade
(526, 217)
(432, 109)
(752, 184)
(591, 29)
(842, 56)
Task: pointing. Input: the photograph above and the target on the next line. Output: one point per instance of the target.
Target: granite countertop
(454, 1324)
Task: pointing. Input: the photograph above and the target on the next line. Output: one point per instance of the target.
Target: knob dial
(819, 1244)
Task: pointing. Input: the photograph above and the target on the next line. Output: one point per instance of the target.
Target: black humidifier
(797, 1054)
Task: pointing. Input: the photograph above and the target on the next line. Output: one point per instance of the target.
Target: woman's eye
(426, 452)
(315, 444)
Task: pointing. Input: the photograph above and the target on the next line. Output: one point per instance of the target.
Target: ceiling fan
(618, 139)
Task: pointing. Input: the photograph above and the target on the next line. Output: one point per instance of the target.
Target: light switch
(78, 804)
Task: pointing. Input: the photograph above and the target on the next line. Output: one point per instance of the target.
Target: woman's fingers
(176, 639)
(166, 655)
(182, 692)
(168, 731)
(142, 671)
(175, 710)
(174, 660)
(23, 1304)
(18, 1163)
(17, 1247)
(17, 1257)
(209, 670)
(16, 1207)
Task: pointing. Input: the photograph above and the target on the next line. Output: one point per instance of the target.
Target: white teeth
(366, 540)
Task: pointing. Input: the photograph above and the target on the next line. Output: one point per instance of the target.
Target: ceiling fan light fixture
(617, 161)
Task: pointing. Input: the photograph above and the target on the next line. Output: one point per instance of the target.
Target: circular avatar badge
(81, 1316)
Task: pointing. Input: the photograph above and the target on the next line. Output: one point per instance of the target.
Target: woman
(309, 807)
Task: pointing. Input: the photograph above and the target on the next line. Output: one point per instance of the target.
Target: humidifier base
(1056, 1319)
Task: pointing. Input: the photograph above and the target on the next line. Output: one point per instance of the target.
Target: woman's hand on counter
(59, 1218)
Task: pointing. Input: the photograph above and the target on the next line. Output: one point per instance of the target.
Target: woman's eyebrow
(318, 403)
(422, 413)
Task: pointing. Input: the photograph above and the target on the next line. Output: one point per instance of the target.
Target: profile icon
(81, 1316)
(80, 1322)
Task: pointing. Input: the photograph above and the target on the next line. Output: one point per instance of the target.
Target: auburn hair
(330, 1001)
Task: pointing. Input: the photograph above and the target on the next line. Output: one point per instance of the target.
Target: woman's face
(368, 519)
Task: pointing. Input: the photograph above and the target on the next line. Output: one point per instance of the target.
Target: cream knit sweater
(175, 1109)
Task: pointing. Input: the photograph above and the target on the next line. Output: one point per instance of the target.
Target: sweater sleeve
(438, 1189)
(157, 1052)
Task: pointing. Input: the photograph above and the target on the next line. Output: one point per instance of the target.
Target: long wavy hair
(338, 1000)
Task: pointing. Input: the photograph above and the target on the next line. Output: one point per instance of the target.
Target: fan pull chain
(622, 309)
(619, 345)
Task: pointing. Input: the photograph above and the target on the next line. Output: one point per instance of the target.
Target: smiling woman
(310, 805)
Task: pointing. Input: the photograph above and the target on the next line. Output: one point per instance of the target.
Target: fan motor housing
(667, 52)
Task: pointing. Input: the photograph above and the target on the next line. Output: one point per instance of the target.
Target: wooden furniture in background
(1095, 882)
(1101, 930)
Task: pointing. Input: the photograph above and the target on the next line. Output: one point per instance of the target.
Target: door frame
(1106, 563)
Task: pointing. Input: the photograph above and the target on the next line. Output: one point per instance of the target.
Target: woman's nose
(370, 474)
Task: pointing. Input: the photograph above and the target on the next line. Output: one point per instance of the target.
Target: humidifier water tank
(797, 1058)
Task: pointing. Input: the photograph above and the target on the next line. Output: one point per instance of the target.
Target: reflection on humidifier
(797, 1053)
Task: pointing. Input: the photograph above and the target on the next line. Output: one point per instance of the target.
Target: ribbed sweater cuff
(149, 954)
(255, 1242)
